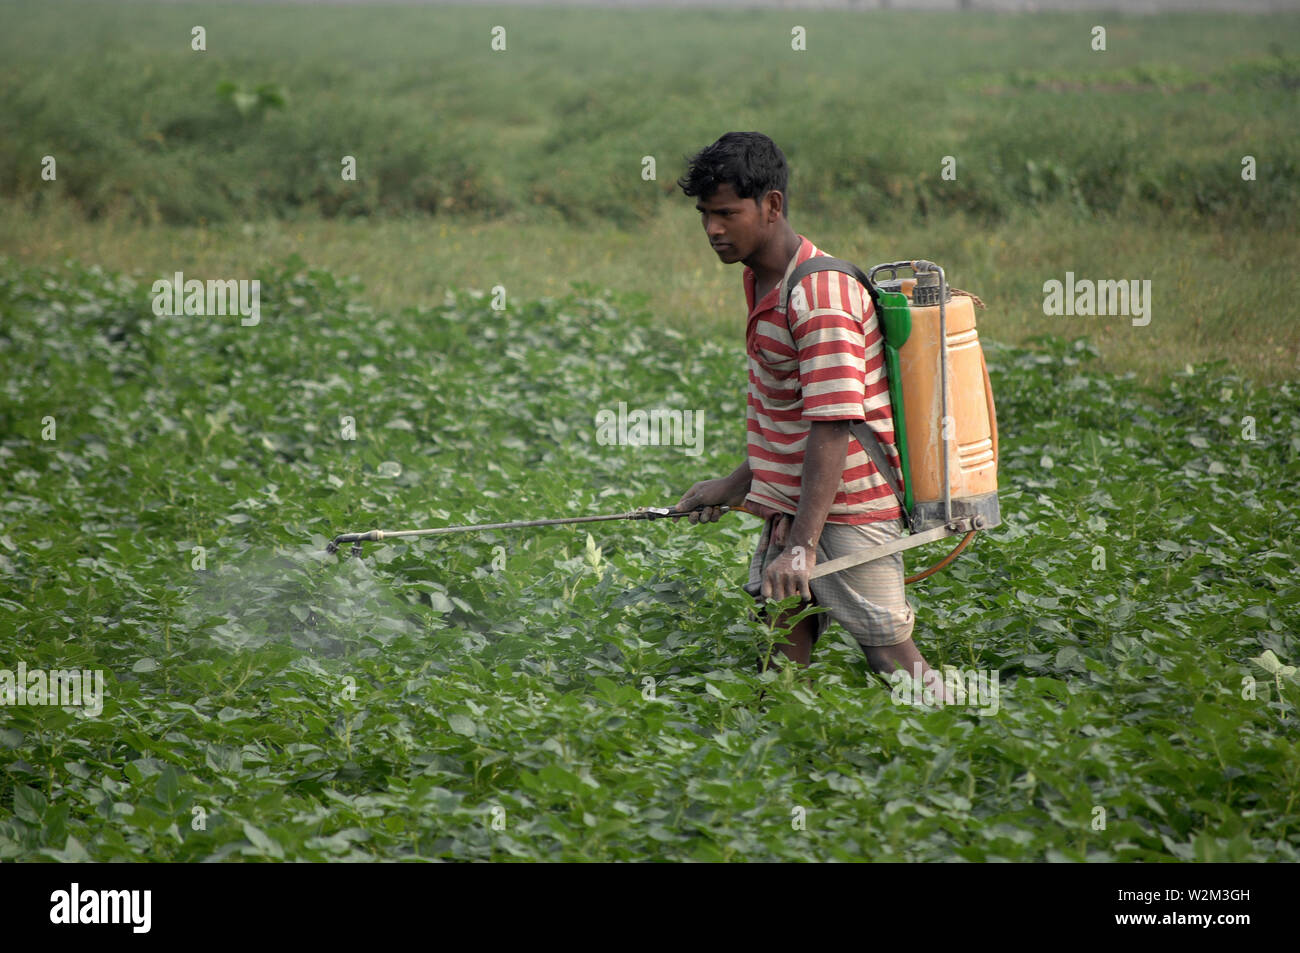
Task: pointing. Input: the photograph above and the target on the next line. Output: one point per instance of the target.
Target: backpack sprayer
(945, 427)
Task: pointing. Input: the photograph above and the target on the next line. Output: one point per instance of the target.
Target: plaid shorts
(869, 599)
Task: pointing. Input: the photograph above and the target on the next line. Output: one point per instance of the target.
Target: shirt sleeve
(839, 345)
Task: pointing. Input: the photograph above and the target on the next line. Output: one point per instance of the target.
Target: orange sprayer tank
(972, 437)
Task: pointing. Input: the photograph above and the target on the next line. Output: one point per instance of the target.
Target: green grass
(481, 696)
(1216, 295)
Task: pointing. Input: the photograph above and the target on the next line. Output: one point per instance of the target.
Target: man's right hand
(711, 494)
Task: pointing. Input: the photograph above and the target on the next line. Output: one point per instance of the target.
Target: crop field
(433, 346)
(319, 707)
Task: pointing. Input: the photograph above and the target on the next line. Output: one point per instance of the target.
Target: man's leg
(802, 638)
(885, 659)
(870, 599)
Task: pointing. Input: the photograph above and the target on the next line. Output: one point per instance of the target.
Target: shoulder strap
(866, 436)
(827, 263)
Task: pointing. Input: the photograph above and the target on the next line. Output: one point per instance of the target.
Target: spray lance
(961, 525)
(644, 513)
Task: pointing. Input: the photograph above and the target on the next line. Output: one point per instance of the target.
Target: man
(811, 372)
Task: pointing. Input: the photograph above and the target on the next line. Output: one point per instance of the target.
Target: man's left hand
(788, 573)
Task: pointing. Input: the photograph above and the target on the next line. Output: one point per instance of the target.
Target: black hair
(750, 162)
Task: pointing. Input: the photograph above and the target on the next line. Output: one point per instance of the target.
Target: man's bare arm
(823, 468)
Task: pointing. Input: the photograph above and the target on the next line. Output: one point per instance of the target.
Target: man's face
(736, 227)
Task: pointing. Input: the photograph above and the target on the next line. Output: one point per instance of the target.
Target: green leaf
(1268, 662)
(1070, 659)
(259, 840)
(74, 852)
(462, 725)
(29, 804)
(168, 788)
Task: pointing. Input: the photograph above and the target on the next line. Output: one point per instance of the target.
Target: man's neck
(770, 264)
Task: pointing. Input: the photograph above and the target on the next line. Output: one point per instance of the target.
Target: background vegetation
(477, 168)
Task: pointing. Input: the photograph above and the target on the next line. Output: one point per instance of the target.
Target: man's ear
(773, 206)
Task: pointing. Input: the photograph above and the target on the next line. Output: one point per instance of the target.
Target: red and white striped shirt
(826, 363)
